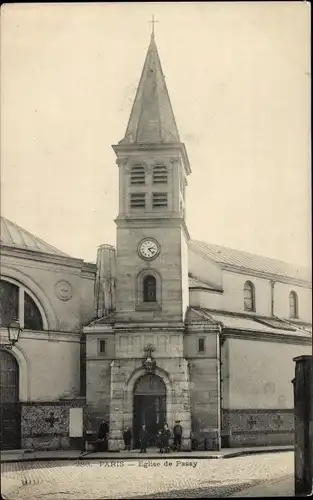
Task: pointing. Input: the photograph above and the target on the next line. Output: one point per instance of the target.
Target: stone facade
(125, 373)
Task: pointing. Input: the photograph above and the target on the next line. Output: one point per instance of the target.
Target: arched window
(9, 302)
(293, 305)
(149, 289)
(16, 303)
(137, 174)
(160, 174)
(249, 296)
(32, 316)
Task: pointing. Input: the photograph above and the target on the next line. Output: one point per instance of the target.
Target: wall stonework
(205, 397)
(257, 427)
(124, 374)
(45, 425)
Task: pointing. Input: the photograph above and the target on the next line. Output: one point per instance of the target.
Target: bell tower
(152, 268)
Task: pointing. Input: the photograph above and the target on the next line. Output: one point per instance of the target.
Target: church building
(162, 328)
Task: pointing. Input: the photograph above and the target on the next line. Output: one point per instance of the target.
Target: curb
(256, 452)
(189, 456)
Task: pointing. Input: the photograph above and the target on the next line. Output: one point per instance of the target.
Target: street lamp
(14, 331)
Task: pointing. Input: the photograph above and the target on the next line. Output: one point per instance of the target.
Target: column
(116, 408)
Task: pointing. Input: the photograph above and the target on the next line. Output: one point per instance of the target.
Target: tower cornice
(124, 151)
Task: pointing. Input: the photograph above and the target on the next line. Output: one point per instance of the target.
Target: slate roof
(14, 236)
(229, 257)
(238, 321)
(152, 119)
(195, 283)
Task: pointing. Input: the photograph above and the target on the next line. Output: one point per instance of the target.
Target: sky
(238, 75)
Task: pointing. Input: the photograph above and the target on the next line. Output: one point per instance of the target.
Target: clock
(148, 249)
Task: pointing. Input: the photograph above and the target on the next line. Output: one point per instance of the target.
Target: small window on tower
(137, 200)
(102, 346)
(201, 345)
(160, 174)
(137, 175)
(159, 200)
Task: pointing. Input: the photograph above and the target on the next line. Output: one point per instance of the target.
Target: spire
(152, 119)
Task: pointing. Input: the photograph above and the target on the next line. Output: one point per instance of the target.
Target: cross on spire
(153, 23)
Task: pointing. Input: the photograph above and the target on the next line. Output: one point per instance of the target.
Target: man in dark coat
(166, 434)
(178, 432)
(160, 443)
(127, 436)
(143, 437)
(103, 436)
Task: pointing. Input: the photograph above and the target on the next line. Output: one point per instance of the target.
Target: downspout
(83, 364)
(272, 297)
(221, 343)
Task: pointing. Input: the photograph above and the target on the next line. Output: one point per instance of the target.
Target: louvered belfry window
(137, 174)
(160, 174)
(159, 200)
(137, 200)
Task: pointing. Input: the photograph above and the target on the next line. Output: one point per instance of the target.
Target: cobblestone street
(71, 480)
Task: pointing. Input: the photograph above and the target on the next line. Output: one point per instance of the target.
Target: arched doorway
(10, 414)
(149, 406)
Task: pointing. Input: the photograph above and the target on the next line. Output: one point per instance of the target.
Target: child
(160, 441)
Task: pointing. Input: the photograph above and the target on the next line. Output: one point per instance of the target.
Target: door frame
(136, 425)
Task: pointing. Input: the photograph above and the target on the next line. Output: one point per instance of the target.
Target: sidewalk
(29, 455)
(283, 487)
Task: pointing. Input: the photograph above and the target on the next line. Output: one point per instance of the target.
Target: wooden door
(10, 410)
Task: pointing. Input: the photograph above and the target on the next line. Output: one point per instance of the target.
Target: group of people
(162, 440)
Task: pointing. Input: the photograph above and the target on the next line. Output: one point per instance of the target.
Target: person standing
(143, 437)
(127, 436)
(160, 441)
(103, 436)
(178, 432)
(166, 434)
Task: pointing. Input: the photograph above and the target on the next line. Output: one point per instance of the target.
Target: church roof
(251, 262)
(14, 236)
(152, 119)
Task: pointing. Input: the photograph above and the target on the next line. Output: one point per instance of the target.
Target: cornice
(266, 337)
(135, 148)
(264, 275)
(151, 221)
(149, 330)
(42, 335)
(205, 289)
(37, 256)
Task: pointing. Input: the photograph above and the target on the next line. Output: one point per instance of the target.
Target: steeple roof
(152, 119)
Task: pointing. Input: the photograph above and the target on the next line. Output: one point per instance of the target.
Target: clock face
(148, 249)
